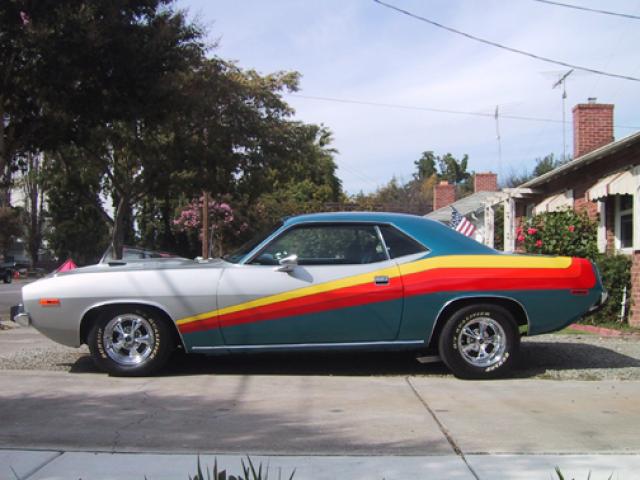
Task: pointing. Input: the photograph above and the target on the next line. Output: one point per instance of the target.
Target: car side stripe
(412, 273)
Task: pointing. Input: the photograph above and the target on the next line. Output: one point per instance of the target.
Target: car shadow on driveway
(536, 358)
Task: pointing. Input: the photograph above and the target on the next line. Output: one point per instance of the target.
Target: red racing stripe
(579, 275)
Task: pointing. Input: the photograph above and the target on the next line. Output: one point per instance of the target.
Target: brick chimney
(592, 126)
(485, 182)
(443, 194)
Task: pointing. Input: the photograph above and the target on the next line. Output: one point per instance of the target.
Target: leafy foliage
(416, 196)
(74, 208)
(615, 271)
(543, 165)
(559, 233)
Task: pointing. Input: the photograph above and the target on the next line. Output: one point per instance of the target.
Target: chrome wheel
(129, 339)
(482, 342)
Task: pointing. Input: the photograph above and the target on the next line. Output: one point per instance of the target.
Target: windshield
(247, 247)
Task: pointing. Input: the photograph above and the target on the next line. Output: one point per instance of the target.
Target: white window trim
(602, 229)
(636, 208)
(617, 233)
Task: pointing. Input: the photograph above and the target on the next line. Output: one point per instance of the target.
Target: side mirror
(287, 264)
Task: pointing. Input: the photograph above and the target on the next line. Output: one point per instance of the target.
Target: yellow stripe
(485, 261)
(391, 272)
(452, 261)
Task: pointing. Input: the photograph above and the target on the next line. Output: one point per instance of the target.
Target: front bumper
(19, 316)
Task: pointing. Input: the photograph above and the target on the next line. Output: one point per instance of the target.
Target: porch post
(602, 226)
(509, 224)
(489, 222)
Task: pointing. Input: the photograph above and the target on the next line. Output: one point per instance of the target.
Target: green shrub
(566, 232)
(615, 271)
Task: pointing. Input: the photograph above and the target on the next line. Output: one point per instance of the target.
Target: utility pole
(205, 225)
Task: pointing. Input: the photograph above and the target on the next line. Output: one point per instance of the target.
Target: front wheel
(480, 341)
(130, 341)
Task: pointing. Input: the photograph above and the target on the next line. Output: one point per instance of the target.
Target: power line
(504, 47)
(437, 110)
(587, 9)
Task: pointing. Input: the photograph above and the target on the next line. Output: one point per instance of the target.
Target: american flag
(460, 223)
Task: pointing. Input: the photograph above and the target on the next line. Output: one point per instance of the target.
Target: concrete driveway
(266, 414)
(324, 415)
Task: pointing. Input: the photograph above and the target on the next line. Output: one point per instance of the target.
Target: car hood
(147, 264)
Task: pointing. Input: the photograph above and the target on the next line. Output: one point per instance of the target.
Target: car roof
(438, 237)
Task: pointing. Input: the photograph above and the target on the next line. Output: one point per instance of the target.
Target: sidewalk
(50, 465)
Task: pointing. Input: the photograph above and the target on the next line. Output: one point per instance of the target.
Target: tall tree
(75, 210)
(425, 166)
(33, 185)
(543, 165)
(103, 76)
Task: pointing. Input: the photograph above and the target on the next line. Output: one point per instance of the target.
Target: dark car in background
(7, 271)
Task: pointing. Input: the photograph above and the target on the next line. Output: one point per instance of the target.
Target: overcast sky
(359, 50)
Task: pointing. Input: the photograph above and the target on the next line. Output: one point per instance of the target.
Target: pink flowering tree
(222, 222)
(559, 233)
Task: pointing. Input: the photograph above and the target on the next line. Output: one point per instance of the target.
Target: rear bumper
(19, 316)
(599, 304)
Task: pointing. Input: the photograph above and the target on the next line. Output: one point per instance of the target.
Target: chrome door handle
(381, 280)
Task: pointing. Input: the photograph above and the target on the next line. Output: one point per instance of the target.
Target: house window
(624, 222)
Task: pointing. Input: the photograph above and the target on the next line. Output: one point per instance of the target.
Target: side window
(398, 243)
(325, 245)
(624, 222)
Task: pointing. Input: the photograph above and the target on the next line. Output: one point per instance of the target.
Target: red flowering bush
(223, 223)
(559, 233)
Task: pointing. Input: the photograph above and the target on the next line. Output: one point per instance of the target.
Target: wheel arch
(91, 314)
(510, 304)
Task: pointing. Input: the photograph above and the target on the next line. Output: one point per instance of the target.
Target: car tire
(480, 341)
(130, 341)
(8, 277)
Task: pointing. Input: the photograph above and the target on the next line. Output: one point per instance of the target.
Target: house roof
(584, 160)
(469, 204)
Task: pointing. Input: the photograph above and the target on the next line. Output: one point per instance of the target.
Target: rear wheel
(480, 341)
(130, 341)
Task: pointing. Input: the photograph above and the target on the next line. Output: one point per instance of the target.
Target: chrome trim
(310, 345)
(384, 244)
(23, 319)
(599, 304)
(476, 297)
(427, 250)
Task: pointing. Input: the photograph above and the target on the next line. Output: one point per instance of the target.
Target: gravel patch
(52, 358)
(580, 357)
(554, 357)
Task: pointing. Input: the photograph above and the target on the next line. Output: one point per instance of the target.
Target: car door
(343, 289)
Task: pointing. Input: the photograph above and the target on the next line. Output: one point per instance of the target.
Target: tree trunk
(117, 235)
(4, 189)
(33, 192)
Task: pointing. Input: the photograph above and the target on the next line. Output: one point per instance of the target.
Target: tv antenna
(496, 116)
(562, 82)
